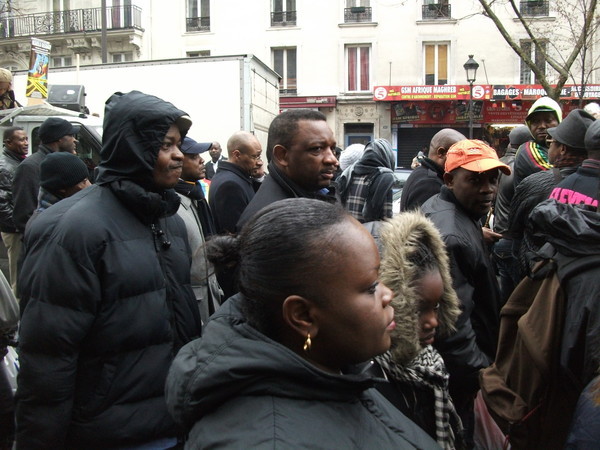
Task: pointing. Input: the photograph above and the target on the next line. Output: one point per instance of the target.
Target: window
(121, 57)
(357, 11)
(119, 14)
(358, 63)
(527, 74)
(198, 53)
(62, 61)
(436, 9)
(436, 63)
(198, 15)
(284, 63)
(283, 13)
(535, 7)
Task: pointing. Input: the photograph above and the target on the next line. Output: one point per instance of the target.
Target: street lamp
(471, 67)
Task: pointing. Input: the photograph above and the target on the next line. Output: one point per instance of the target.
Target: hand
(490, 236)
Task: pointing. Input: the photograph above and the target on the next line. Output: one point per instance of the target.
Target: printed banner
(37, 78)
(443, 113)
(443, 92)
(482, 92)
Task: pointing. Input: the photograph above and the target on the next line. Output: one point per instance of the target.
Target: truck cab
(30, 118)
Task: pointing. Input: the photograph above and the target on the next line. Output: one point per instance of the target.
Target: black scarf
(146, 205)
(194, 191)
(326, 194)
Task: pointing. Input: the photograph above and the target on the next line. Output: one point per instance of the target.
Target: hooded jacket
(236, 388)
(366, 187)
(399, 238)
(105, 296)
(532, 156)
(574, 232)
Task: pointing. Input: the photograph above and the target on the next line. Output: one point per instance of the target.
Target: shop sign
(535, 91)
(438, 92)
(427, 112)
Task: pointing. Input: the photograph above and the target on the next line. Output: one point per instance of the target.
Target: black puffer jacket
(473, 345)
(236, 388)
(106, 288)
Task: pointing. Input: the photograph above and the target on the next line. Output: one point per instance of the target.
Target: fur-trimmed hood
(398, 238)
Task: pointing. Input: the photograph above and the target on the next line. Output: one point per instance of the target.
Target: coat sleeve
(60, 295)
(25, 189)
(6, 209)
(228, 206)
(460, 351)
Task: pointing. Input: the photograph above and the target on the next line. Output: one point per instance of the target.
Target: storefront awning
(480, 92)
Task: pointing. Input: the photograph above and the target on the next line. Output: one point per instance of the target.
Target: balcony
(535, 8)
(434, 11)
(71, 21)
(197, 24)
(357, 14)
(283, 18)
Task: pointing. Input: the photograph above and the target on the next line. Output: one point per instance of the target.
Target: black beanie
(61, 170)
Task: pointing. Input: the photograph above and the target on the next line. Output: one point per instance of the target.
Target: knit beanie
(61, 170)
(350, 155)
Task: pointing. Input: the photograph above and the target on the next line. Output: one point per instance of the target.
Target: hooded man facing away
(106, 297)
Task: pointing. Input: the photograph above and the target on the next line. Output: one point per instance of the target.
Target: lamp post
(471, 67)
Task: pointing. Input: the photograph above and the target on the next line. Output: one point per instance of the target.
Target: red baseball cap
(474, 155)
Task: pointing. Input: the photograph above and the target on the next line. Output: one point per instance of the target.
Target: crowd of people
(174, 304)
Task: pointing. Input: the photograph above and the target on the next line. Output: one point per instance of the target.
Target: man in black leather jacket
(470, 183)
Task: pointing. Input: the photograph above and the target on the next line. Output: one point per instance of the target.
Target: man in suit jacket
(216, 157)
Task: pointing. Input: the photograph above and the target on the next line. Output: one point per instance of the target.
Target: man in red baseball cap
(470, 183)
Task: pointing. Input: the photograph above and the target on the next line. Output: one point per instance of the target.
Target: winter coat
(473, 345)
(399, 239)
(26, 187)
(236, 388)
(423, 183)
(230, 192)
(366, 187)
(506, 191)
(532, 157)
(8, 164)
(574, 231)
(277, 186)
(203, 279)
(107, 299)
(581, 187)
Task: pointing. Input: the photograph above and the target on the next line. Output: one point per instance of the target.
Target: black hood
(572, 230)
(134, 127)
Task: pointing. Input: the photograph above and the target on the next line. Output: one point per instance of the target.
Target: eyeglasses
(550, 141)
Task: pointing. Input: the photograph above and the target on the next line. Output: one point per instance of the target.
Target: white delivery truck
(222, 94)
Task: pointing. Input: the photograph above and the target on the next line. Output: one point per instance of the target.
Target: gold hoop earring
(307, 343)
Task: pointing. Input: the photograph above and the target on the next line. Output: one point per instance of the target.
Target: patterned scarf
(427, 369)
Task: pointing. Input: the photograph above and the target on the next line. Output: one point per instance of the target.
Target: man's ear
(448, 179)
(280, 155)
(441, 153)
(298, 314)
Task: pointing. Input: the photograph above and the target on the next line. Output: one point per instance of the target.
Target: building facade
(348, 58)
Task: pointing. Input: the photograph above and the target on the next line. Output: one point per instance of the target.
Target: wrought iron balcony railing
(71, 21)
(197, 24)
(436, 11)
(357, 14)
(535, 7)
(283, 18)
